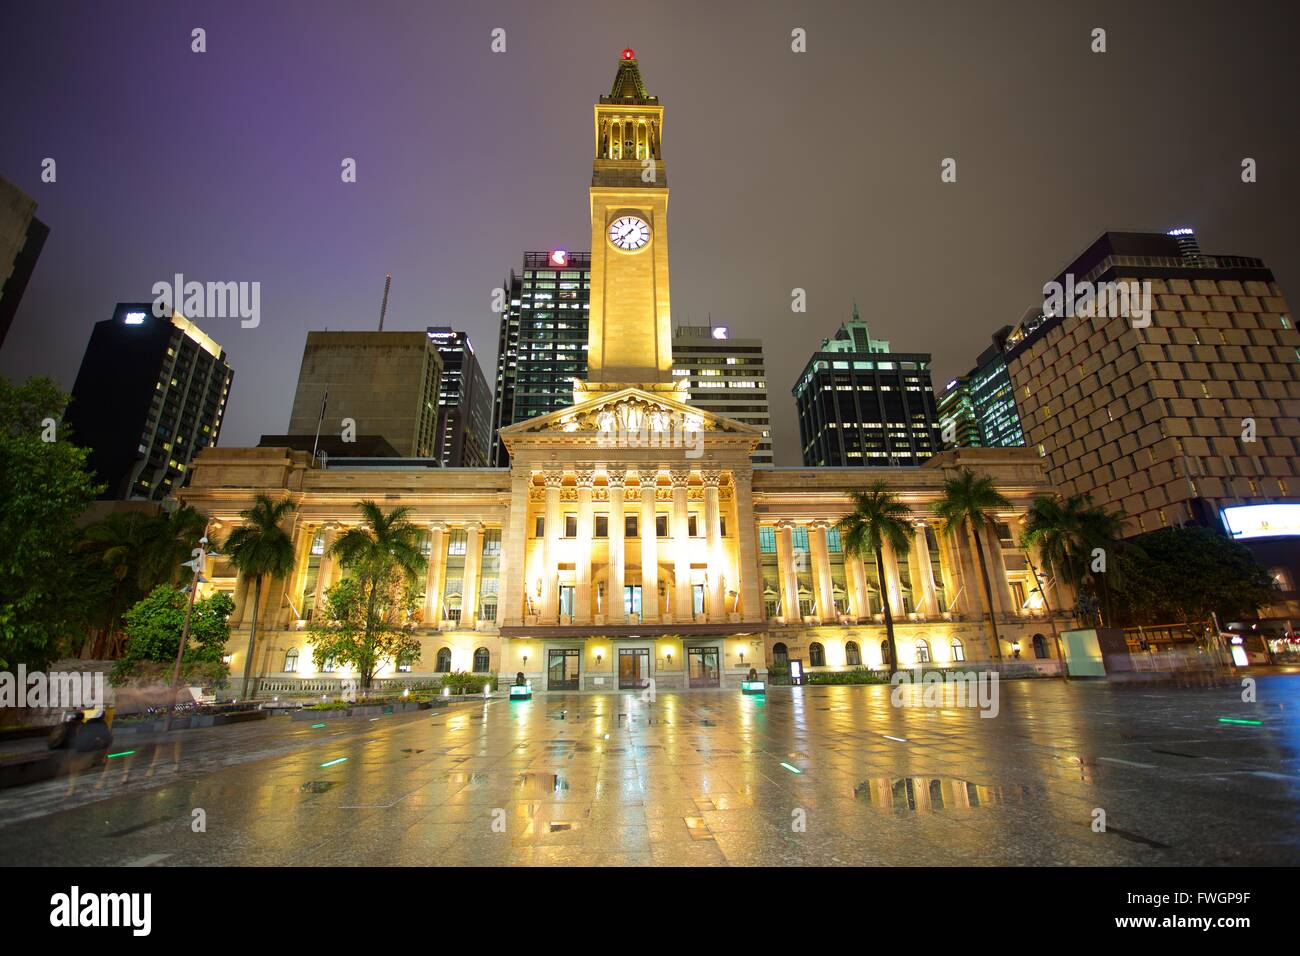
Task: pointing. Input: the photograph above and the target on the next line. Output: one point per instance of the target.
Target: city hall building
(632, 538)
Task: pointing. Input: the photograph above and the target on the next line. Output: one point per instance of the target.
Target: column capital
(681, 477)
(712, 478)
(615, 479)
(820, 524)
(785, 524)
(553, 477)
(437, 526)
(585, 478)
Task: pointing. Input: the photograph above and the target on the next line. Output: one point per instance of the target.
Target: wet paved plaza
(802, 776)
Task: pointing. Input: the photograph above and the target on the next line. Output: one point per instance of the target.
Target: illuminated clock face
(629, 233)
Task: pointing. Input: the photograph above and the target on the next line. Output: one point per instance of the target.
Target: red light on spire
(628, 54)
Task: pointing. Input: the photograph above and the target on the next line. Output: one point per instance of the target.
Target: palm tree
(971, 501)
(1103, 529)
(1068, 531)
(118, 545)
(257, 548)
(877, 516)
(383, 545)
(172, 538)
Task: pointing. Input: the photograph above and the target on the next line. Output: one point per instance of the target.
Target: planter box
(38, 767)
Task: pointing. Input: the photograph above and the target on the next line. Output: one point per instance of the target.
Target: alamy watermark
(655, 429)
(1128, 299)
(209, 300)
(82, 690)
(967, 689)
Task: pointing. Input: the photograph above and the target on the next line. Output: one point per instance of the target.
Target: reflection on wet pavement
(802, 776)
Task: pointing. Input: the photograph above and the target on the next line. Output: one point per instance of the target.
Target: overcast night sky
(817, 170)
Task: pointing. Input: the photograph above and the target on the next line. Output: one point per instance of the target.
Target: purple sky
(818, 170)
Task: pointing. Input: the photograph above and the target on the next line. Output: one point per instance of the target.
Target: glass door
(633, 668)
(562, 668)
(632, 603)
(702, 667)
(566, 602)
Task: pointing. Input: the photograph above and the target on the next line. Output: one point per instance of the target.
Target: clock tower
(629, 338)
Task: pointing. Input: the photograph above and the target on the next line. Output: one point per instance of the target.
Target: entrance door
(562, 668)
(702, 667)
(566, 602)
(633, 668)
(632, 603)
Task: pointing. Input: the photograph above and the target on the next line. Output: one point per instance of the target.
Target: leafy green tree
(382, 554)
(877, 516)
(365, 625)
(154, 627)
(1185, 575)
(135, 551)
(45, 485)
(970, 501)
(260, 548)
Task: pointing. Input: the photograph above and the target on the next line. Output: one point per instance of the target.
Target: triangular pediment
(628, 410)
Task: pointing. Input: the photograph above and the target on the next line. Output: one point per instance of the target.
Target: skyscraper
(151, 392)
(543, 342)
(1184, 414)
(464, 402)
(861, 404)
(958, 427)
(382, 383)
(726, 377)
(22, 236)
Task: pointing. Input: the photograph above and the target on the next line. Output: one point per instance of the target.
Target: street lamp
(200, 555)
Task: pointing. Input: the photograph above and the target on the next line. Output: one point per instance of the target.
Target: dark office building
(464, 402)
(22, 236)
(543, 343)
(150, 394)
(860, 404)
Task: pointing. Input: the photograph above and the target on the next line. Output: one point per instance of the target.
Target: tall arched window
(1040, 646)
(852, 654)
(444, 661)
(816, 655)
(291, 661)
(884, 653)
(780, 655)
(481, 660)
(922, 651)
(958, 649)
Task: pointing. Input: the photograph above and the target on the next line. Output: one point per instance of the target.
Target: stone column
(859, 599)
(649, 550)
(750, 584)
(469, 585)
(891, 583)
(582, 594)
(325, 570)
(924, 577)
(996, 571)
(433, 574)
(785, 571)
(716, 607)
(551, 552)
(681, 546)
(614, 603)
(514, 547)
(298, 579)
(821, 571)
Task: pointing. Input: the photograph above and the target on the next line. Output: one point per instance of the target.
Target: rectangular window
(661, 526)
(801, 538)
(456, 541)
(492, 542)
(539, 528)
(602, 526)
(629, 526)
(833, 543)
(767, 540)
(570, 526)
(693, 526)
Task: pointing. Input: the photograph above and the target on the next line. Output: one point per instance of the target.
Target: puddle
(540, 784)
(317, 786)
(934, 793)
